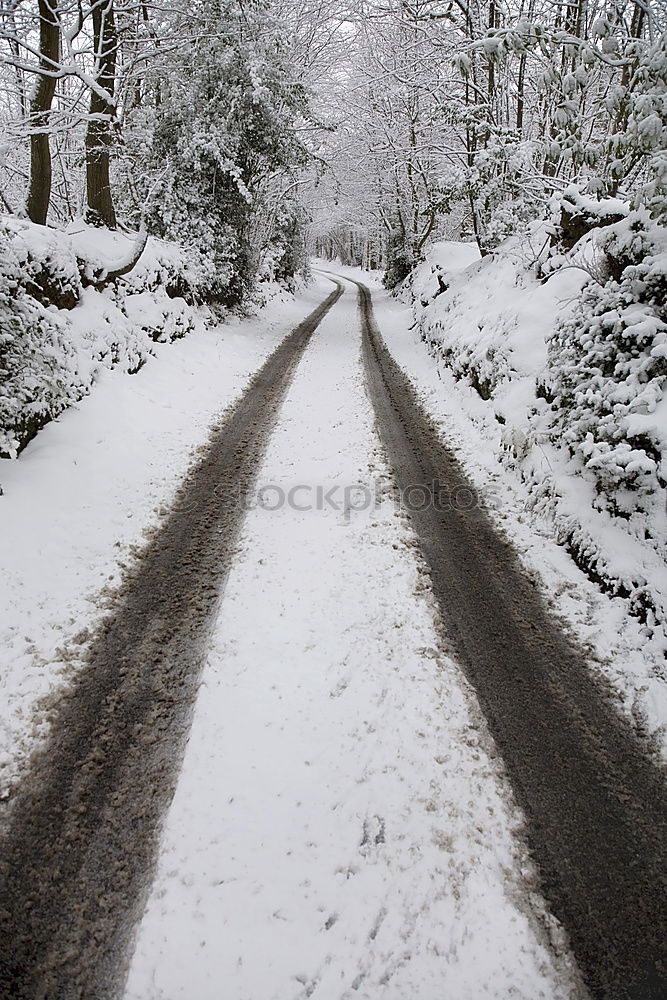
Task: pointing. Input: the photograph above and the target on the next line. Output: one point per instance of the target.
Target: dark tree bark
(102, 113)
(39, 186)
(638, 19)
(491, 66)
(520, 94)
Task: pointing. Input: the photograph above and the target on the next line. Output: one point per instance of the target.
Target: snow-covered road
(81, 500)
(342, 826)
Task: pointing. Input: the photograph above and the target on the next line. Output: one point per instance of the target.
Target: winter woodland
(181, 181)
(502, 162)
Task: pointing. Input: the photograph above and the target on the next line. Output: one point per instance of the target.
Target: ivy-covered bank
(561, 335)
(68, 312)
(186, 122)
(62, 321)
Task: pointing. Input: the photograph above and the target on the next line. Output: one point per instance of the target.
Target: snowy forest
(239, 138)
(250, 134)
(268, 270)
(160, 158)
(205, 122)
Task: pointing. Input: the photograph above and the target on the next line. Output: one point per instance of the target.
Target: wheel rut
(595, 805)
(78, 847)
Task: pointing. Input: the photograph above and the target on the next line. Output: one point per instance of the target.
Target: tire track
(80, 844)
(595, 806)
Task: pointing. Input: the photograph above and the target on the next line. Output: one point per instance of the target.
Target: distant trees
(467, 115)
(415, 118)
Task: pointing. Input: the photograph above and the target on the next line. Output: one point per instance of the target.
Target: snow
(452, 255)
(105, 248)
(342, 826)
(57, 336)
(477, 353)
(628, 654)
(494, 317)
(81, 498)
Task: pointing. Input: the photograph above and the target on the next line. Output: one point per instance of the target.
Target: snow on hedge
(61, 324)
(568, 350)
(607, 368)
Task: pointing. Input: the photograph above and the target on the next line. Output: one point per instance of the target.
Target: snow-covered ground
(342, 826)
(628, 654)
(61, 326)
(568, 387)
(82, 496)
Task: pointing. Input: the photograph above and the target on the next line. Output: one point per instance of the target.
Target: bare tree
(39, 185)
(99, 134)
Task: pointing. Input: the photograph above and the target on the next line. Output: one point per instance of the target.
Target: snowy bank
(65, 318)
(505, 344)
(567, 354)
(82, 497)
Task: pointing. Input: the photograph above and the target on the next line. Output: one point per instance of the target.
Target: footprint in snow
(373, 835)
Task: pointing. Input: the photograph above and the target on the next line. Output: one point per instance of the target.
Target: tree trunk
(638, 19)
(102, 113)
(491, 65)
(39, 186)
(15, 50)
(520, 95)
